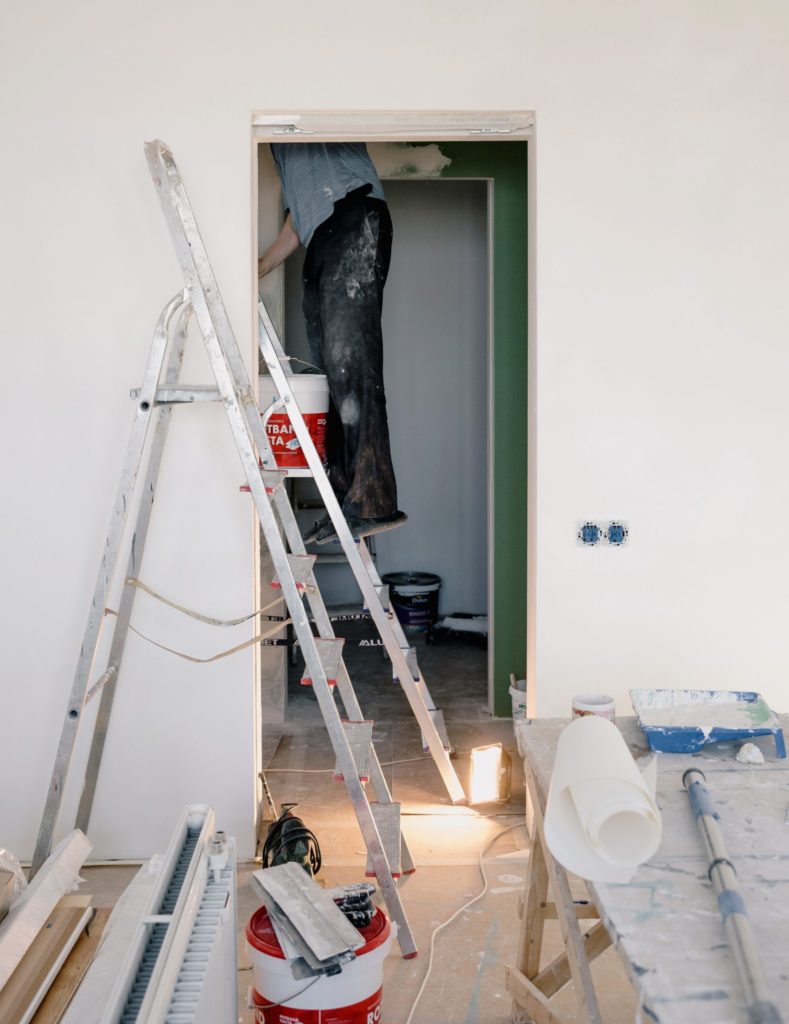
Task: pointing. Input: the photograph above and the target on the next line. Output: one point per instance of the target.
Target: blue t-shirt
(315, 175)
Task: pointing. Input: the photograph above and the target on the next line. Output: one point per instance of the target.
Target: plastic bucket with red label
(351, 997)
(311, 391)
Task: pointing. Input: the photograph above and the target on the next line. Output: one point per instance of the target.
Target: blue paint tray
(683, 721)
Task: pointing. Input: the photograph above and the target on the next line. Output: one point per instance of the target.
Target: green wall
(505, 163)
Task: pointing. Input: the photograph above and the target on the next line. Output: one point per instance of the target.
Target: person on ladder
(335, 207)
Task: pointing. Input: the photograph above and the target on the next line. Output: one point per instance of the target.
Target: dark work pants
(343, 284)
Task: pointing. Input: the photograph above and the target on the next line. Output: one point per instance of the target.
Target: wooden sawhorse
(530, 987)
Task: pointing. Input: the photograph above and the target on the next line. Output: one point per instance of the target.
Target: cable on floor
(459, 911)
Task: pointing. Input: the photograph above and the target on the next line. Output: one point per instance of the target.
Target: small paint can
(594, 704)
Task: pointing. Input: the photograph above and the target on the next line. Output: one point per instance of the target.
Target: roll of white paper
(601, 821)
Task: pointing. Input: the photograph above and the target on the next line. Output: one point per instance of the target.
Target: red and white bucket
(311, 391)
(351, 997)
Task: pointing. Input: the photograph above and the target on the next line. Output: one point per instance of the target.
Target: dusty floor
(466, 983)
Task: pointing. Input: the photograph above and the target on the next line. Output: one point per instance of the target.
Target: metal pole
(736, 923)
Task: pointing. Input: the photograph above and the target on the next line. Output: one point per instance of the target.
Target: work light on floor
(491, 772)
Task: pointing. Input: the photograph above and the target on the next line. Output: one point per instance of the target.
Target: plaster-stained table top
(666, 923)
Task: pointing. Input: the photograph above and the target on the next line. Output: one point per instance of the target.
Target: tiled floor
(466, 983)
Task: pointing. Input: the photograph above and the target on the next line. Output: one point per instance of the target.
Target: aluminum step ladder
(159, 393)
(375, 595)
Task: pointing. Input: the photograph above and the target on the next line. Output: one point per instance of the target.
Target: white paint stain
(349, 411)
(405, 160)
(511, 879)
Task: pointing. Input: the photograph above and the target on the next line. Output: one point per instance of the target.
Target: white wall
(661, 320)
(662, 357)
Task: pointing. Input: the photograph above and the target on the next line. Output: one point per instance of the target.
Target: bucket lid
(300, 384)
(411, 579)
(261, 934)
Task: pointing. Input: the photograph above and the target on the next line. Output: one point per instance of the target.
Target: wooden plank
(30, 912)
(534, 919)
(34, 972)
(72, 972)
(585, 910)
(530, 906)
(527, 996)
(6, 891)
(568, 923)
(557, 973)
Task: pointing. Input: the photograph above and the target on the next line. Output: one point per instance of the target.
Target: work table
(665, 923)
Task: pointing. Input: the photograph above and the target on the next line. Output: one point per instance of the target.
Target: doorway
(484, 494)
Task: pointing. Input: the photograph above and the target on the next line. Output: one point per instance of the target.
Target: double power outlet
(612, 534)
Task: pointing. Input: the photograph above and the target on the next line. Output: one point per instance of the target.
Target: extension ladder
(160, 392)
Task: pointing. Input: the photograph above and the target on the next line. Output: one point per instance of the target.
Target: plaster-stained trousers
(345, 270)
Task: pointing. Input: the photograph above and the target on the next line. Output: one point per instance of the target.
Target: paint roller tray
(683, 721)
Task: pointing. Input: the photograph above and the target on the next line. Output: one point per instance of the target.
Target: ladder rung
(360, 737)
(347, 613)
(387, 820)
(301, 568)
(273, 479)
(330, 652)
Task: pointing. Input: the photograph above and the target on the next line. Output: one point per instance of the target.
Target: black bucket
(414, 597)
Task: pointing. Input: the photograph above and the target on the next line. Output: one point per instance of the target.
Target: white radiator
(168, 955)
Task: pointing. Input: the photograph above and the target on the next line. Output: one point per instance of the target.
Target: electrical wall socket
(612, 533)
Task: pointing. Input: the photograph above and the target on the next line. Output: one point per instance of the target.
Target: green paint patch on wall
(504, 163)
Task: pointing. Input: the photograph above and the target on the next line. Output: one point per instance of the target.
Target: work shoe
(316, 529)
(362, 527)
